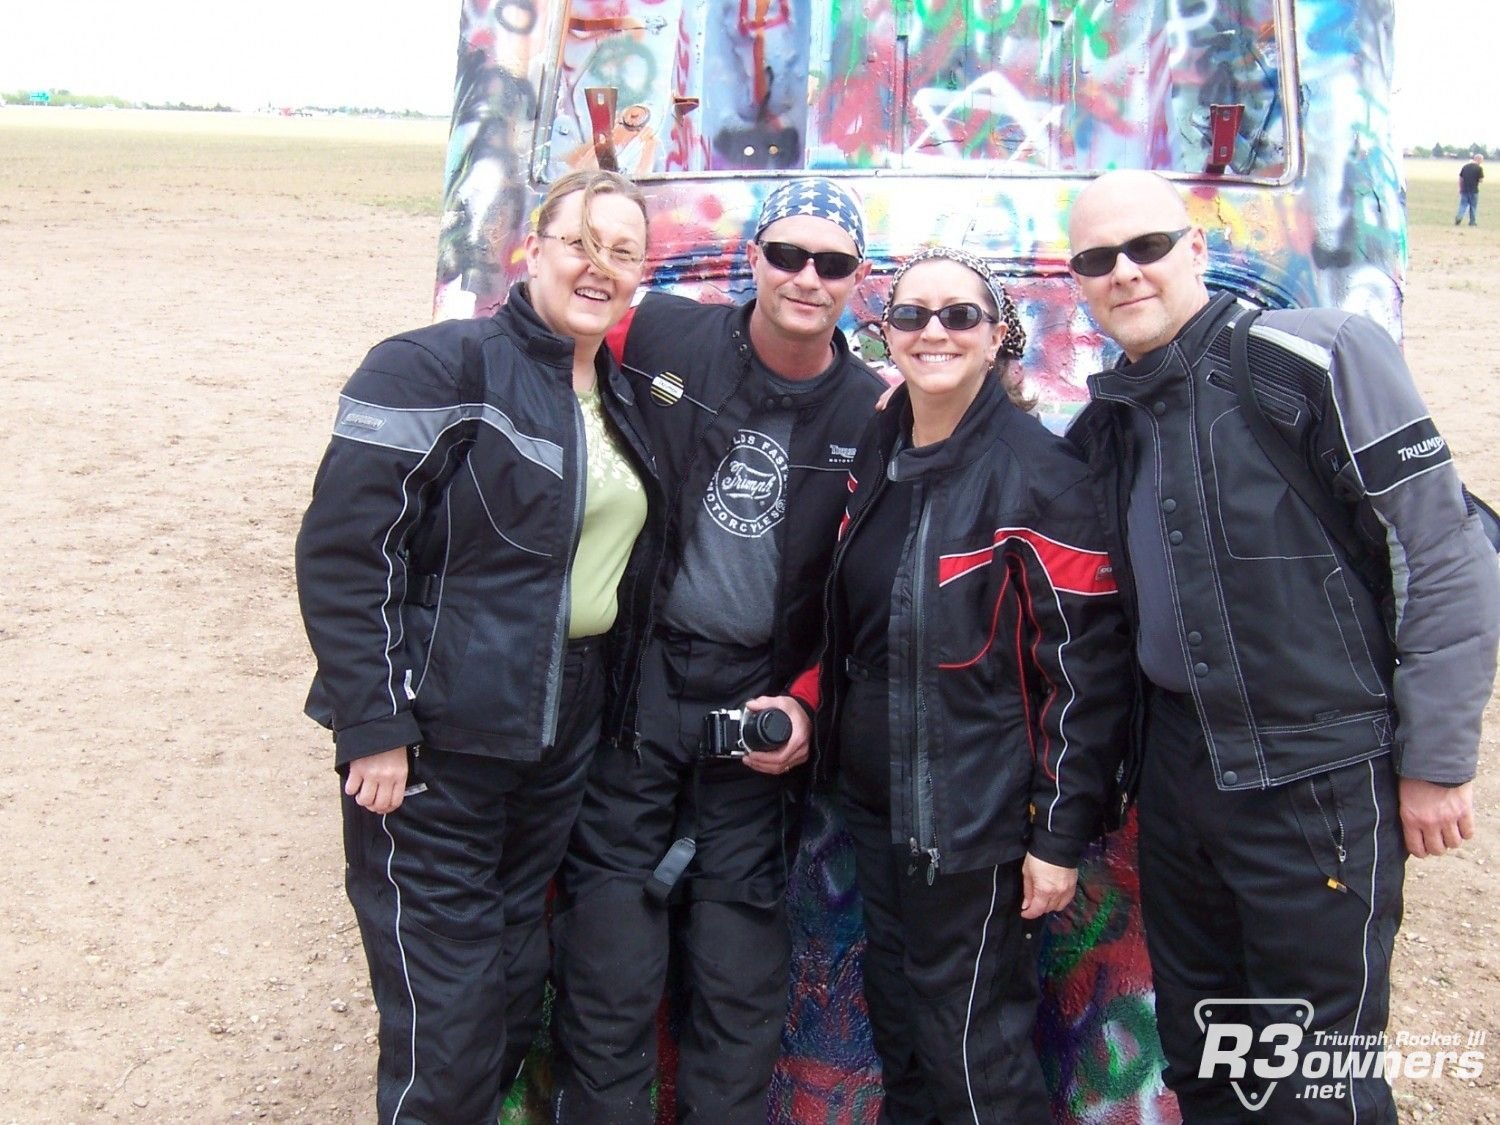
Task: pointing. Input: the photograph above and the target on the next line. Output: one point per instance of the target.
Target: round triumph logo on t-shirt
(747, 495)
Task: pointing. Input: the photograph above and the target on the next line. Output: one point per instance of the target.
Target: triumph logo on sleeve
(1429, 448)
(1408, 452)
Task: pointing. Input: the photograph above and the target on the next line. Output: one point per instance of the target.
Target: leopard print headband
(1014, 342)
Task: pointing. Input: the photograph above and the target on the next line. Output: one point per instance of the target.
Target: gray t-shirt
(725, 590)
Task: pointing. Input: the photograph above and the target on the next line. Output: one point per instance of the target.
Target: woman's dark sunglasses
(955, 318)
(790, 258)
(1143, 249)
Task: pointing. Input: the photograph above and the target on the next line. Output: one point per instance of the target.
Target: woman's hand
(378, 782)
(1045, 887)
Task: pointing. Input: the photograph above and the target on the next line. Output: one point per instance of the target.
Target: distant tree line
(64, 99)
(61, 98)
(1441, 151)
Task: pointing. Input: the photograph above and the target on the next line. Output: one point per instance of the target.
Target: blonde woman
(457, 568)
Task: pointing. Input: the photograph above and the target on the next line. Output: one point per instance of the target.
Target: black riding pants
(950, 969)
(1290, 895)
(611, 939)
(449, 892)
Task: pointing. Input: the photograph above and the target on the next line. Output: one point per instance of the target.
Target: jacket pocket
(434, 643)
(971, 583)
(1356, 644)
(1258, 514)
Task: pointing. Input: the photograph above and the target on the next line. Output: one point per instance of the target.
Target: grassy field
(293, 158)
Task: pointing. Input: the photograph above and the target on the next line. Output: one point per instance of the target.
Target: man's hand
(794, 753)
(378, 783)
(1434, 817)
(1045, 887)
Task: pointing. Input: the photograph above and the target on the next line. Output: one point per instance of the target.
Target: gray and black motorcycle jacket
(433, 562)
(1295, 665)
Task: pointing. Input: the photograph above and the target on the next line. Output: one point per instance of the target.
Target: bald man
(1305, 728)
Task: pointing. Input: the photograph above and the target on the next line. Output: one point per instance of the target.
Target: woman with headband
(973, 692)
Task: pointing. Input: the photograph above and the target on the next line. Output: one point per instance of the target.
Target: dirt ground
(180, 301)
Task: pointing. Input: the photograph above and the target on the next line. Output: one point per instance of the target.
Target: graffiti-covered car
(970, 123)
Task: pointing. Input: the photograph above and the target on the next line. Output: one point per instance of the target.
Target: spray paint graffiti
(967, 121)
(972, 123)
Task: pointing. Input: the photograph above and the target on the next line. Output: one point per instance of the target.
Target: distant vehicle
(971, 123)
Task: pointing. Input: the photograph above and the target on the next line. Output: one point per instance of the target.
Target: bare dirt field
(181, 298)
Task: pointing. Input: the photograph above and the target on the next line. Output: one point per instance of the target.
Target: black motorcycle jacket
(690, 365)
(1009, 673)
(433, 561)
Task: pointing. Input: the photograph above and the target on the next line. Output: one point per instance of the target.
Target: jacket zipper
(564, 602)
(832, 650)
(1125, 454)
(616, 723)
(923, 844)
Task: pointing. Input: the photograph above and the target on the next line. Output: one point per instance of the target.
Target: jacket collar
(519, 318)
(1178, 357)
(990, 411)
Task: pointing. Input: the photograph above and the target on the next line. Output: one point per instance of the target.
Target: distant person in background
(1468, 189)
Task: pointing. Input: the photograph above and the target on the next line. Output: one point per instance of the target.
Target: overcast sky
(392, 54)
(399, 54)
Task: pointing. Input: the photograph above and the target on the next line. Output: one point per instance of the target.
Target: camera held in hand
(733, 734)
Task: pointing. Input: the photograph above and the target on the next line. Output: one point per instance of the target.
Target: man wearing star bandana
(754, 413)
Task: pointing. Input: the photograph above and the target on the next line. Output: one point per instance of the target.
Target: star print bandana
(822, 199)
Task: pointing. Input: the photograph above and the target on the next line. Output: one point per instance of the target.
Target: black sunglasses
(955, 318)
(1143, 249)
(790, 258)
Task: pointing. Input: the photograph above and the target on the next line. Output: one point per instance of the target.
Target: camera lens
(766, 730)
